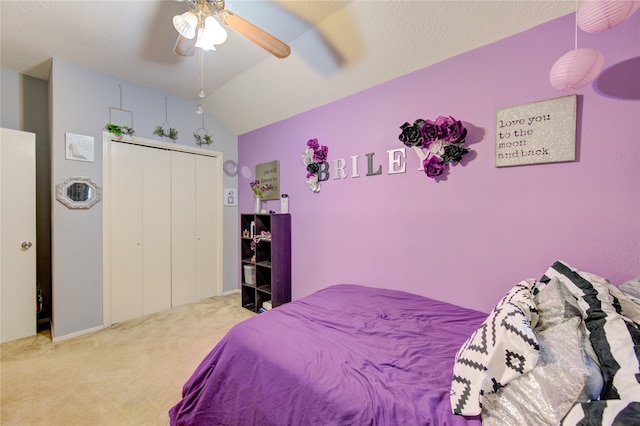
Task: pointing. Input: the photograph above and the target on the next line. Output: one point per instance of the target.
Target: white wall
(80, 100)
(11, 101)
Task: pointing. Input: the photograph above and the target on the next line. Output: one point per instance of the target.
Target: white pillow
(501, 349)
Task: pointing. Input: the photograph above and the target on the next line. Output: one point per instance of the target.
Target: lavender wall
(469, 238)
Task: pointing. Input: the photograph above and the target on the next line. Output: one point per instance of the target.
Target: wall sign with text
(539, 132)
(268, 173)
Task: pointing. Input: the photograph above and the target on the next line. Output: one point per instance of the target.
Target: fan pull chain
(199, 109)
(201, 93)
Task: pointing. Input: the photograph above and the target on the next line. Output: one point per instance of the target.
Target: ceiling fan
(200, 28)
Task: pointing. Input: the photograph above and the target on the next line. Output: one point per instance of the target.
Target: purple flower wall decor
(313, 157)
(442, 140)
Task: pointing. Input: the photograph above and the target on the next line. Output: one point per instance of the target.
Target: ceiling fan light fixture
(186, 24)
(217, 32)
(206, 26)
(205, 39)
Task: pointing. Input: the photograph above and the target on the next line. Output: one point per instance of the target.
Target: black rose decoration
(410, 135)
(453, 153)
(313, 168)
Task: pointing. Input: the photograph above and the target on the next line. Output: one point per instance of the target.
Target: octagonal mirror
(78, 192)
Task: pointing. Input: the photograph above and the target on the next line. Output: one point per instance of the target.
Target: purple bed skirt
(345, 355)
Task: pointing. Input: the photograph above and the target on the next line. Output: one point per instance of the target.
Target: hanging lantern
(599, 15)
(576, 69)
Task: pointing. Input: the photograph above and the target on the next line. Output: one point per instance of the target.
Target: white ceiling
(338, 47)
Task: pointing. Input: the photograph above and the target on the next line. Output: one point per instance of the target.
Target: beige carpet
(127, 374)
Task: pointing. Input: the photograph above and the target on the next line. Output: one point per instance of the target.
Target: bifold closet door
(156, 230)
(140, 231)
(194, 252)
(183, 228)
(207, 248)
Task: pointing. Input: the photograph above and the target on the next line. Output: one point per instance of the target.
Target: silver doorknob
(26, 245)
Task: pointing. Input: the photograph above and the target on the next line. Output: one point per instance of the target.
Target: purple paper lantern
(599, 15)
(576, 69)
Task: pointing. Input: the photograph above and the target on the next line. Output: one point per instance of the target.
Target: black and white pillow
(617, 412)
(629, 305)
(555, 304)
(502, 348)
(614, 338)
(631, 288)
(545, 394)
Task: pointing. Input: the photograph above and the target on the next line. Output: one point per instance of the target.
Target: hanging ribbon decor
(116, 129)
(168, 132)
(202, 135)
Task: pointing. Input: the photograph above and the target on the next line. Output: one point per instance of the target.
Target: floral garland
(119, 130)
(206, 139)
(171, 133)
(312, 157)
(443, 141)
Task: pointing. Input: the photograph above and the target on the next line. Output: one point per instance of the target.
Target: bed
(356, 355)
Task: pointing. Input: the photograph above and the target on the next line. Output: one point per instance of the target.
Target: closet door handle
(26, 245)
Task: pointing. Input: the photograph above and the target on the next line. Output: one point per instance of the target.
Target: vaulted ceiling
(337, 47)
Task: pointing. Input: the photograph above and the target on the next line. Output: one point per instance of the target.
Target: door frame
(107, 140)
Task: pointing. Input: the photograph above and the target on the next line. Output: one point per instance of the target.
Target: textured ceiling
(338, 47)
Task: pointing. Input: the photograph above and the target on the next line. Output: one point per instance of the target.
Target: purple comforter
(345, 355)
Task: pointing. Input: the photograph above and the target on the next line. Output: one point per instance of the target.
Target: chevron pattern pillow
(502, 348)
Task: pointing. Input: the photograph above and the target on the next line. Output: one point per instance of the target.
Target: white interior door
(18, 231)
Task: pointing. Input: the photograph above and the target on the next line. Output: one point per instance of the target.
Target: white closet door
(183, 228)
(206, 220)
(162, 227)
(18, 229)
(140, 231)
(126, 231)
(156, 230)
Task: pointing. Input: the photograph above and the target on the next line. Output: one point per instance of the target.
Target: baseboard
(93, 330)
(56, 339)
